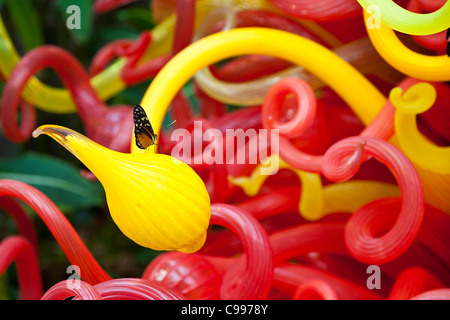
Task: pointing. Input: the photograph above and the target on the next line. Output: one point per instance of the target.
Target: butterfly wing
(143, 130)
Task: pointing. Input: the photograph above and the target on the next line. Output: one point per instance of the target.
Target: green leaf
(141, 18)
(26, 20)
(57, 179)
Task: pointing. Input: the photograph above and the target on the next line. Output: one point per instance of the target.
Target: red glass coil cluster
(258, 247)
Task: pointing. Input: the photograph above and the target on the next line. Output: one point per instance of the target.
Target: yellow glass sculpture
(156, 200)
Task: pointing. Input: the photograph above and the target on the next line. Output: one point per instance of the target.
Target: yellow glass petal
(156, 200)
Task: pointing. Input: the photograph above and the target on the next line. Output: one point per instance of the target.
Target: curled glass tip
(356, 158)
(58, 133)
(52, 130)
(79, 145)
(415, 100)
(61, 134)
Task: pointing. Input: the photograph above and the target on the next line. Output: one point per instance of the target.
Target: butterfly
(143, 131)
(448, 42)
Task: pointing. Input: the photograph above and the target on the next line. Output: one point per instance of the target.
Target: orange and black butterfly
(143, 131)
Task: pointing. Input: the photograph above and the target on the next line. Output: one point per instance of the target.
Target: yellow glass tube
(413, 64)
(405, 21)
(419, 149)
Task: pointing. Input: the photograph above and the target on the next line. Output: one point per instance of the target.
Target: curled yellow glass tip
(157, 201)
(417, 99)
(422, 151)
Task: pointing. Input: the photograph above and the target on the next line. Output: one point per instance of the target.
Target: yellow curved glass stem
(413, 64)
(363, 97)
(351, 195)
(359, 53)
(419, 149)
(311, 200)
(405, 21)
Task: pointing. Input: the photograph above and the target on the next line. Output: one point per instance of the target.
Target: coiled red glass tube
(132, 73)
(414, 281)
(23, 223)
(304, 117)
(305, 113)
(115, 289)
(433, 233)
(363, 230)
(135, 289)
(251, 275)
(110, 127)
(20, 249)
(108, 53)
(289, 277)
(68, 289)
(315, 290)
(59, 226)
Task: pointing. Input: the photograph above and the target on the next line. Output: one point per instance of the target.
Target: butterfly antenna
(171, 123)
